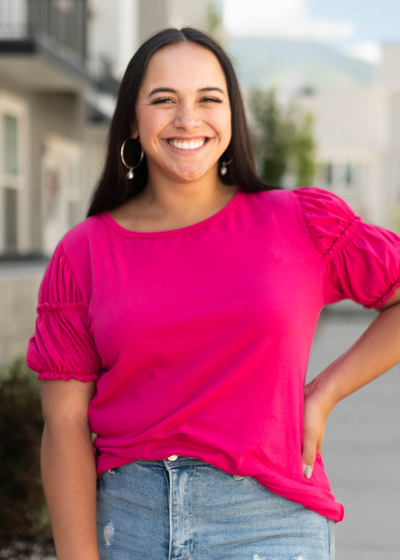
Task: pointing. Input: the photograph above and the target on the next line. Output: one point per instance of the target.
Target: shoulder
(70, 269)
(323, 216)
(84, 239)
(81, 236)
(296, 208)
(314, 199)
(329, 219)
(271, 201)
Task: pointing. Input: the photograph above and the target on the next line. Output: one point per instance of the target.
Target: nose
(186, 117)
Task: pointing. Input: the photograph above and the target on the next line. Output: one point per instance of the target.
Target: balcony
(43, 44)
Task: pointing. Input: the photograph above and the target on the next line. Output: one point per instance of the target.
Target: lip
(187, 139)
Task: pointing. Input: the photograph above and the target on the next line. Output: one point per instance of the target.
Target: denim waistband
(179, 461)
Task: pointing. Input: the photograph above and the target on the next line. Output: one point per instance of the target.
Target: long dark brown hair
(114, 188)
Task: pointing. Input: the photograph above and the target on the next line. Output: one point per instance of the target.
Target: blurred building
(358, 142)
(60, 65)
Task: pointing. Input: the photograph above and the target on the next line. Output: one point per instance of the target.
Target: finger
(309, 454)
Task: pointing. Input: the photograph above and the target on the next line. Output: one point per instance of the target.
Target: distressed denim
(187, 509)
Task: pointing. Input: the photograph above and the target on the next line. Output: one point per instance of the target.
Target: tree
(303, 150)
(24, 526)
(283, 138)
(214, 23)
(396, 219)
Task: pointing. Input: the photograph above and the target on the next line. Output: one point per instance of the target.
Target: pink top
(199, 337)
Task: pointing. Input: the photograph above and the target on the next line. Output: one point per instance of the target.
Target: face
(183, 115)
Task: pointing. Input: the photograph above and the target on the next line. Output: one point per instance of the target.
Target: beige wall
(190, 13)
(116, 29)
(94, 152)
(350, 127)
(63, 116)
(152, 17)
(158, 14)
(361, 126)
(19, 287)
(51, 114)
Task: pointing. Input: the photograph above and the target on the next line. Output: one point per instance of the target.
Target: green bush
(283, 139)
(24, 523)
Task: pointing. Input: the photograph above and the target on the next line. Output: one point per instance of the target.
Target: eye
(211, 100)
(162, 100)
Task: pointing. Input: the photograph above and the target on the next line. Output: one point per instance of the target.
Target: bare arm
(68, 468)
(374, 353)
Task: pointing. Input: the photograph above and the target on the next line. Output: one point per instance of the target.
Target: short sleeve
(62, 346)
(363, 260)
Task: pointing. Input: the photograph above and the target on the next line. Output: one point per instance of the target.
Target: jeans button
(173, 458)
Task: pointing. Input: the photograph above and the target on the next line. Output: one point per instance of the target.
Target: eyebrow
(170, 90)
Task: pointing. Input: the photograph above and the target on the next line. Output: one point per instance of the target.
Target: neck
(166, 196)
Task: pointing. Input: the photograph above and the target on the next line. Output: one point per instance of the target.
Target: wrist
(322, 391)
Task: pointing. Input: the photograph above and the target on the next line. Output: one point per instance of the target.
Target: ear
(134, 131)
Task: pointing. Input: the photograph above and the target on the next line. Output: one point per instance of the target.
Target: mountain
(294, 65)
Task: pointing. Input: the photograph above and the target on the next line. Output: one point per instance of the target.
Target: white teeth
(192, 145)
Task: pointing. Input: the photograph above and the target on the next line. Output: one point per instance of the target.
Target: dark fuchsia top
(198, 338)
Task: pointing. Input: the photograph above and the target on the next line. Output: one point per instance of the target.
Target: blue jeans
(187, 509)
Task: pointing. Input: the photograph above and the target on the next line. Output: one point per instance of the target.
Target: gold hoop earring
(130, 173)
(224, 167)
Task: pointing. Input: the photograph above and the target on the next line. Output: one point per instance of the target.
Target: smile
(187, 145)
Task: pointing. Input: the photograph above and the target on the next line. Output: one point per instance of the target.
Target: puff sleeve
(62, 346)
(363, 260)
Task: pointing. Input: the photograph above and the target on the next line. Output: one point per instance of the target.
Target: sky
(357, 27)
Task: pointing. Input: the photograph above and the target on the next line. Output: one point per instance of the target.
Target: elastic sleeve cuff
(66, 376)
(382, 300)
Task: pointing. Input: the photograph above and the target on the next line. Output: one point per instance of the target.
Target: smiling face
(183, 115)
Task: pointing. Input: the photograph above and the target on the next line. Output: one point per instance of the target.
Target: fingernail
(307, 471)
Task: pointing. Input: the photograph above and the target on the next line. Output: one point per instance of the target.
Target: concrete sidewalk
(361, 449)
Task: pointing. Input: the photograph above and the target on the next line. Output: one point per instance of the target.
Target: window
(13, 14)
(349, 175)
(10, 145)
(10, 194)
(14, 230)
(61, 194)
(10, 219)
(64, 5)
(340, 176)
(326, 171)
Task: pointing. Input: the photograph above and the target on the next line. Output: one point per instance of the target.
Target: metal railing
(60, 25)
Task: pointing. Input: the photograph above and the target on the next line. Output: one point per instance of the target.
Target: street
(361, 449)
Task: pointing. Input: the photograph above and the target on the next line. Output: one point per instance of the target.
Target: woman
(181, 314)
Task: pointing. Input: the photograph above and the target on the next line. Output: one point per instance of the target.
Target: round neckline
(106, 216)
